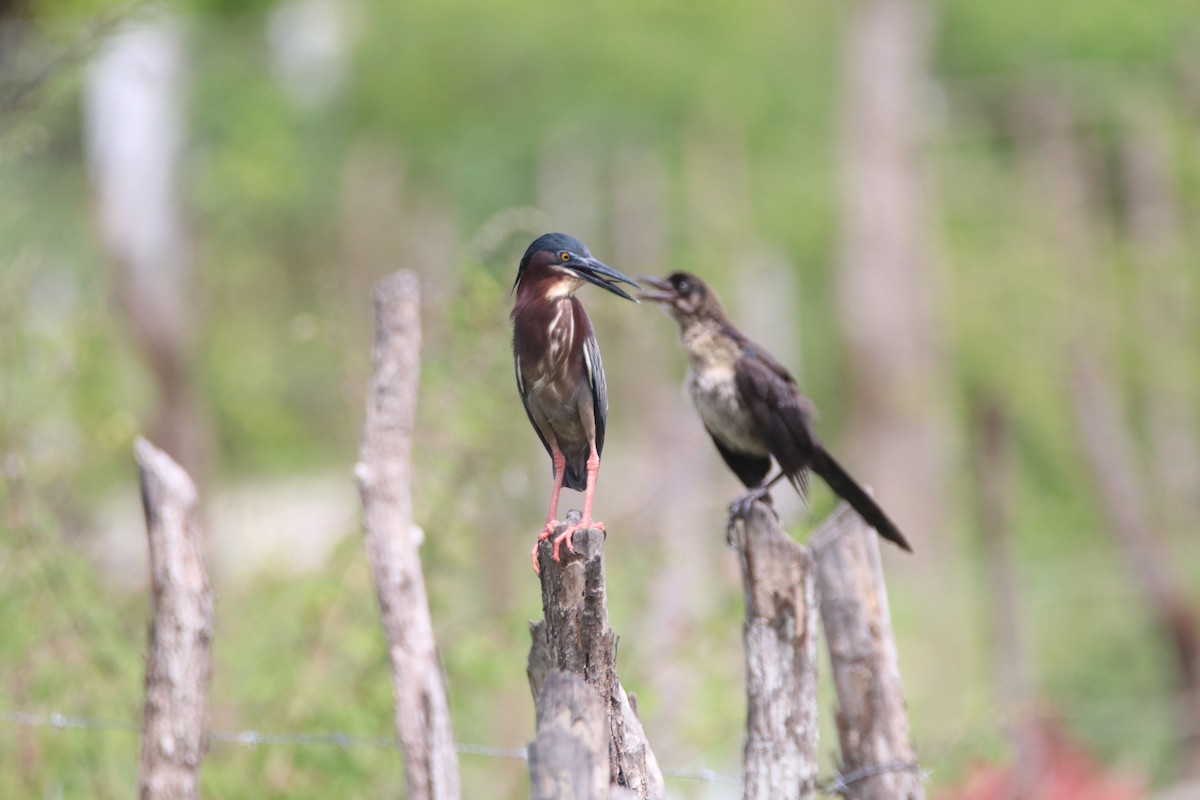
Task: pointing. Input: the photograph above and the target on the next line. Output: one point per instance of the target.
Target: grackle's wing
(750, 469)
(784, 415)
(780, 412)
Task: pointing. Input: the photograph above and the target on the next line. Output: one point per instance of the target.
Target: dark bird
(750, 405)
(559, 373)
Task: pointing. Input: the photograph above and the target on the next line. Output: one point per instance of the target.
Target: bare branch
(383, 472)
(1111, 455)
(991, 447)
(179, 663)
(1065, 173)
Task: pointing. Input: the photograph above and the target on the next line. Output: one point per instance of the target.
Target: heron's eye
(565, 256)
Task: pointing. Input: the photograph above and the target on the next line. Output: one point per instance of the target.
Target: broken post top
(839, 521)
(586, 544)
(394, 291)
(574, 606)
(575, 582)
(758, 514)
(162, 477)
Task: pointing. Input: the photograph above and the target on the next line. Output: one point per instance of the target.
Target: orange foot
(546, 532)
(571, 531)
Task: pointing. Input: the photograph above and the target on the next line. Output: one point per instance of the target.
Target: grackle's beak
(663, 292)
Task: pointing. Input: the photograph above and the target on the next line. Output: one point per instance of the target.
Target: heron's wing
(594, 368)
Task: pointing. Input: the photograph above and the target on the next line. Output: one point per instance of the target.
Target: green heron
(559, 373)
(750, 405)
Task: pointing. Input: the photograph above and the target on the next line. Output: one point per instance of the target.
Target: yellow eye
(565, 256)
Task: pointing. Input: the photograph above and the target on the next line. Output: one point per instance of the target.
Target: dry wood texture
(179, 663)
(569, 758)
(780, 636)
(383, 472)
(877, 759)
(574, 636)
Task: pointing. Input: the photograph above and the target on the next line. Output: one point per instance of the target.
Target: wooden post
(877, 759)
(179, 663)
(569, 758)
(383, 472)
(574, 636)
(780, 635)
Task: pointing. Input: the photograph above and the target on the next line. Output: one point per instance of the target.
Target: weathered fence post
(179, 664)
(877, 758)
(383, 472)
(780, 636)
(569, 758)
(574, 636)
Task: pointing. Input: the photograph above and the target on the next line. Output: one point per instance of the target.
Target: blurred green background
(309, 147)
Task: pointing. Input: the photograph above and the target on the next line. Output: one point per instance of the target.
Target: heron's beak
(602, 275)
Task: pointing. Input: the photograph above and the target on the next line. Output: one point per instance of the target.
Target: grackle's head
(683, 295)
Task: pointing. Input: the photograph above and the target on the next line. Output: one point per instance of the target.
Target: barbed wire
(55, 720)
(834, 786)
(840, 784)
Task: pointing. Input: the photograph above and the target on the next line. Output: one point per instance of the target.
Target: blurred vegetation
(451, 112)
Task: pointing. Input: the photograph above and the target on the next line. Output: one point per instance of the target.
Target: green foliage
(979, 38)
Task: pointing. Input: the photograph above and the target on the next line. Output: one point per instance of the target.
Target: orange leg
(560, 469)
(593, 469)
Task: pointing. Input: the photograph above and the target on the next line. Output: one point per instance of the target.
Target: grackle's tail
(848, 489)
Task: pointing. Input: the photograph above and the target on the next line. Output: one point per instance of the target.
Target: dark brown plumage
(560, 376)
(562, 389)
(750, 404)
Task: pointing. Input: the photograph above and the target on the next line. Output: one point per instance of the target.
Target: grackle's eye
(683, 287)
(565, 256)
